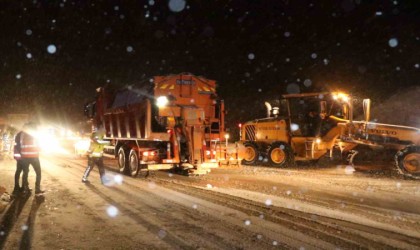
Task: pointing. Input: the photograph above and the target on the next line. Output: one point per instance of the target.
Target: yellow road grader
(306, 127)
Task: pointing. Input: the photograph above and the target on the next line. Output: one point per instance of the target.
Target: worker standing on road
(95, 156)
(26, 152)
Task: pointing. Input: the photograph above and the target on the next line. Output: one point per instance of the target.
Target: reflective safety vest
(28, 146)
(97, 145)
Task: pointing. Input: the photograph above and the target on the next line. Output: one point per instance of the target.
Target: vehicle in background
(170, 121)
(306, 127)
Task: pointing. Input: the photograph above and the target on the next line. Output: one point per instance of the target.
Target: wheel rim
(278, 156)
(134, 162)
(121, 160)
(411, 162)
(250, 154)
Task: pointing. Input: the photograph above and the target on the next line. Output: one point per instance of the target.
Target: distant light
(51, 49)
(393, 42)
(177, 5)
(112, 211)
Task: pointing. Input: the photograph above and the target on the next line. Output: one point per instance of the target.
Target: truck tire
(408, 161)
(251, 154)
(133, 163)
(122, 161)
(280, 155)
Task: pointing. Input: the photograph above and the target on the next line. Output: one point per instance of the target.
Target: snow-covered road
(230, 208)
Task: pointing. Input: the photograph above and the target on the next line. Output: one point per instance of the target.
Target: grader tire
(280, 155)
(408, 161)
(251, 154)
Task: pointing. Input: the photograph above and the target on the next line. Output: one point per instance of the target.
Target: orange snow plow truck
(173, 121)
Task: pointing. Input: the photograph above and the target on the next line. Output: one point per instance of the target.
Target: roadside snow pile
(403, 108)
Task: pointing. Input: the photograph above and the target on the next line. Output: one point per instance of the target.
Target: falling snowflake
(247, 222)
(18, 76)
(177, 5)
(209, 186)
(287, 34)
(393, 42)
(268, 202)
(307, 82)
(251, 56)
(28, 55)
(51, 49)
(25, 227)
(294, 127)
(112, 211)
(118, 179)
(314, 55)
(129, 49)
(28, 32)
(162, 233)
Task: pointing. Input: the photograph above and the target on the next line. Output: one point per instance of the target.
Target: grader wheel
(251, 154)
(408, 161)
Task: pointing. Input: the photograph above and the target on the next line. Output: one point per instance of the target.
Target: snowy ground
(233, 207)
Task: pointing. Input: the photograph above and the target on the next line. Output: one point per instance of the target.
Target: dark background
(255, 50)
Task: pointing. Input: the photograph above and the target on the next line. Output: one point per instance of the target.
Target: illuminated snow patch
(151, 185)
(301, 248)
(247, 222)
(349, 169)
(251, 56)
(261, 216)
(268, 202)
(259, 236)
(25, 227)
(294, 126)
(289, 192)
(51, 49)
(393, 42)
(170, 174)
(209, 186)
(118, 179)
(398, 184)
(177, 5)
(112, 211)
(195, 206)
(275, 243)
(162, 233)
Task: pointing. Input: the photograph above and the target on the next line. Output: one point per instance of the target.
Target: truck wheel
(122, 160)
(133, 163)
(408, 161)
(280, 154)
(251, 154)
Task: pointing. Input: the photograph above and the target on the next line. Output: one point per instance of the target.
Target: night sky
(53, 54)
